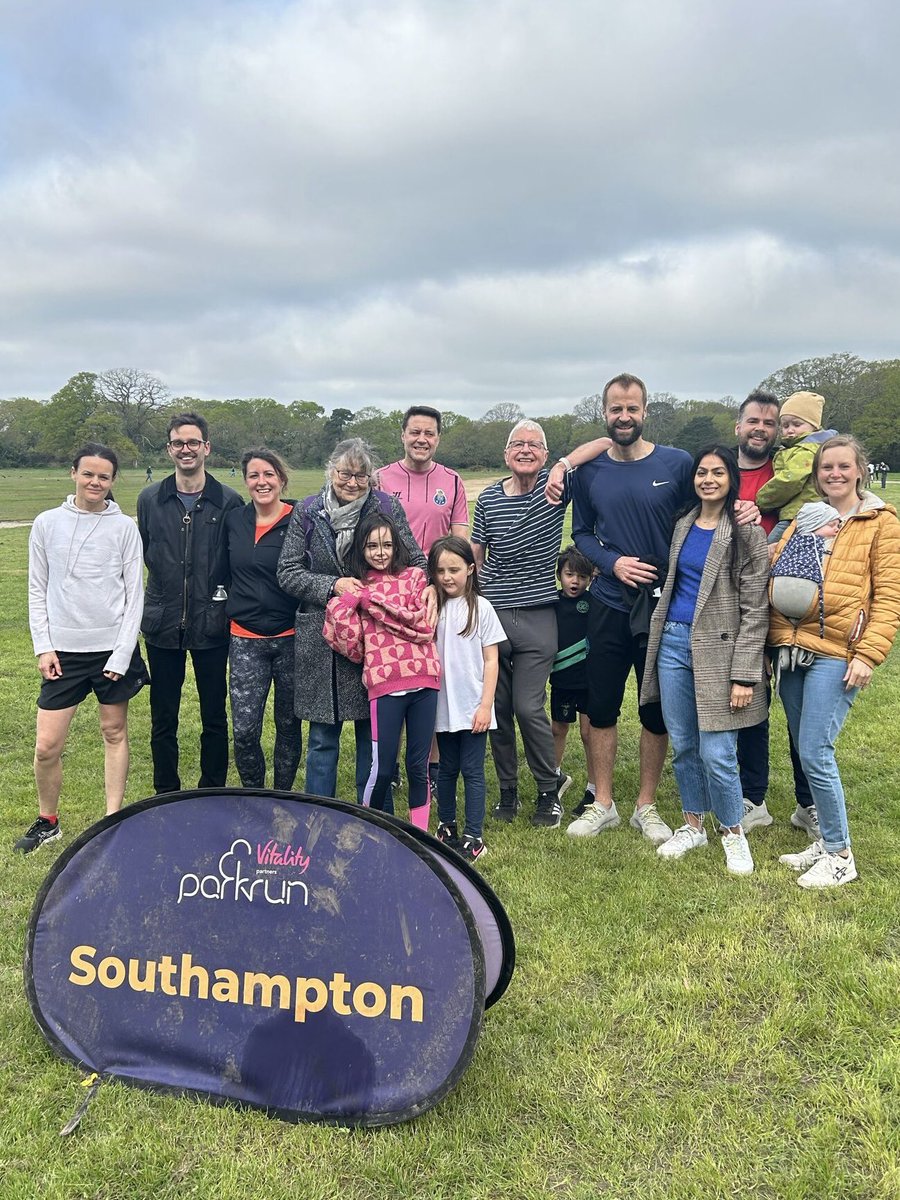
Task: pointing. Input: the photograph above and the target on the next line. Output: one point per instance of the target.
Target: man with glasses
(182, 526)
(515, 539)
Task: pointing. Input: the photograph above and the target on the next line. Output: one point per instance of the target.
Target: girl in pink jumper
(384, 626)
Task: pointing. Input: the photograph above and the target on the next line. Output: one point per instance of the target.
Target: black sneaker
(586, 799)
(472, 847)
(563, 783)
(396, 778)
(448, 834)
(38, 833)
(548, 812)
(432, 788)
(509, 805)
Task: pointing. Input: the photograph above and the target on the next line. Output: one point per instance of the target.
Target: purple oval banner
(281, 951)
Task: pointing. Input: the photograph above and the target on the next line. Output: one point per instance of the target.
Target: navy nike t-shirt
(628, 508)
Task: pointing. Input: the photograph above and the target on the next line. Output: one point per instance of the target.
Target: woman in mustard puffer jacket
(822, 665)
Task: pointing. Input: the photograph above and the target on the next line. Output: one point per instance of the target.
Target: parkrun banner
(300, 955)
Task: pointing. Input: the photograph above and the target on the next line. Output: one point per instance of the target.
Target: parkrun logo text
(233, 882)
(174, 975)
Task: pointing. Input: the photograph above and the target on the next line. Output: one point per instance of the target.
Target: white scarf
(344, 519)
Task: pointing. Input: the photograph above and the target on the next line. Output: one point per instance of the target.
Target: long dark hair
(356, 559)
(728, 457)
(460, 546)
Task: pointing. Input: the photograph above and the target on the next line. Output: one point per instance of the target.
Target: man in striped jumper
(515, 539)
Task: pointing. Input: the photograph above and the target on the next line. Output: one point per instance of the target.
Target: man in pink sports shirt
(433, 497)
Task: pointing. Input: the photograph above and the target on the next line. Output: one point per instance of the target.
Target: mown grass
(670, 1031)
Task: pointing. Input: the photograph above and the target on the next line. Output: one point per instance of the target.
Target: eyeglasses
(525, 446)
(191, 444)
(359, 476)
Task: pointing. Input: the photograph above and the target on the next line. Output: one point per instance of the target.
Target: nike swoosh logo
(661, 482)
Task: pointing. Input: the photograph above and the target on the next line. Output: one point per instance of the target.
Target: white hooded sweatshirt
(86, 582)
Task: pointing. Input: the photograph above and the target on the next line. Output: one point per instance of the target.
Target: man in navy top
(625, 503)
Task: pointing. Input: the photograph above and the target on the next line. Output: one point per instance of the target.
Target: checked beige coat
(729, 630)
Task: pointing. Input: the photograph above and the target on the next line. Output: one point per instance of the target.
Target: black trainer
(548, 811)
(509, 805)
(472, 847)
(37, 834)
(586, 799)
(448, 833)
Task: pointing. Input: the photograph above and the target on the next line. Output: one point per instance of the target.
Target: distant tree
(662, 418)
(878, 425)
(836, 377)
(65, 414)
(589, 410)
(135, 396)
(506, 412)
(336, 424)
(699, 431)
(20, 432)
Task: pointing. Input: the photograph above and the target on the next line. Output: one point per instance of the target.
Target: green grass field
(670, 1031)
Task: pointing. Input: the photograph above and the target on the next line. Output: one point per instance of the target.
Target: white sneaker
(806, 858)
(594, 820)
(738, 859)
(683, 839)
(831, 870)
(807, 819)
(756, 816)
(651, 824)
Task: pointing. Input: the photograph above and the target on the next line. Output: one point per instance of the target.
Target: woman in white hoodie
(85, 599)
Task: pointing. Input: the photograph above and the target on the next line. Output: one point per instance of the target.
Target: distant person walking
(149, 476)
(85, 595)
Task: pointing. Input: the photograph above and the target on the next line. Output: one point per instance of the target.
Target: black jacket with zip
(254, 599)
(186, 554)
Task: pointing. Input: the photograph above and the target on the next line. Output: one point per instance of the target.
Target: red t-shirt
(752, 479)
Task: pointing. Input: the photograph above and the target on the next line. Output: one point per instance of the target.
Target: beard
(626, 437)
(756, 450)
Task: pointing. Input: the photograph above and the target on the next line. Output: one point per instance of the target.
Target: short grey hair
(531, 426)
(351, 453)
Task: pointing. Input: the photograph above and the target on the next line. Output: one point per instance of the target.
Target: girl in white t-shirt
(468, 635)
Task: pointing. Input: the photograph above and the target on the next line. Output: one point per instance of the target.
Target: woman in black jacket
(262, 625)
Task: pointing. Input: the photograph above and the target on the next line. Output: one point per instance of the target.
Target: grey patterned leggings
(254, 664)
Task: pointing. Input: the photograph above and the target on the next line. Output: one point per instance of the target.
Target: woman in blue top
(705, 655)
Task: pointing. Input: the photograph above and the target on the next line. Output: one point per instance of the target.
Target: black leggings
(255, 664)
(417, 710)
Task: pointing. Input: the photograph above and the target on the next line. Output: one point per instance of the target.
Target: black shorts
(83, 674)
(565, 705)
(612, 653)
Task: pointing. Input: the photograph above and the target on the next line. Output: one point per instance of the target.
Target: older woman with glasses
(329, 688)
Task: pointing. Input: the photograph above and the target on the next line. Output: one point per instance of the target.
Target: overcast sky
(453, 201)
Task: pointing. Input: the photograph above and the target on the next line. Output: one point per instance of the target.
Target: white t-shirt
(462, 662)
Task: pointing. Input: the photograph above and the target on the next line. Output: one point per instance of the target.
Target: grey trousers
(525, 663)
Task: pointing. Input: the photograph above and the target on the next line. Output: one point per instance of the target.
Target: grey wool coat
(328, 688)
(729, 630)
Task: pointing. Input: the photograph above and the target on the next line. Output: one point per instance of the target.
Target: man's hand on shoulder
(556, 482)
(746, 512)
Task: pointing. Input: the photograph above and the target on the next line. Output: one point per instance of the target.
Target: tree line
(128, 409)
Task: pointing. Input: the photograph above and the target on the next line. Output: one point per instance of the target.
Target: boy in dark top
(568, 679)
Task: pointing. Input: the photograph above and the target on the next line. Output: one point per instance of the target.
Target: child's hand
(481, 722)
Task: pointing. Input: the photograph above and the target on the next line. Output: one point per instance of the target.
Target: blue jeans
(705, 763)
(322, 749)
(462, 752)
(816, 703)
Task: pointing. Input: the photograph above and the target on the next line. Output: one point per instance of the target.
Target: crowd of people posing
(372, 602)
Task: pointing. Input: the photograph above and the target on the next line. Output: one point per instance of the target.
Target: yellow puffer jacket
(862, 590)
